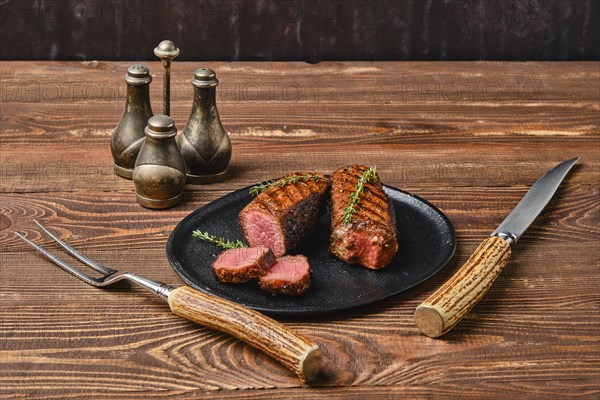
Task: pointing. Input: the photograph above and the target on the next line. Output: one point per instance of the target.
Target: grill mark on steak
(370, 238)
(371, 199)
(295, 192)
(372, 211)
(270, 202)
(293, 209)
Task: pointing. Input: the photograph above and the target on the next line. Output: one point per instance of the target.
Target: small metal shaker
(205, 145)
(128, 136)
(159, 173)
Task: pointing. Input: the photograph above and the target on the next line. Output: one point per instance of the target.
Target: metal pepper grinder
(128, 136)
(205, 145)
(159, 173)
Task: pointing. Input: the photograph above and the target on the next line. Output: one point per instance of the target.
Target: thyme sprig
(261, 187)
(367, 176)
(219, 241)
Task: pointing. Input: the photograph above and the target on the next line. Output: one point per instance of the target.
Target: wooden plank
(290, 123)
(535, 334)
(525, 390)
(522, 291)
(347, 82)
(127, 340)
(61, 167)
(544, 129)
(97, 220)
(412, 98)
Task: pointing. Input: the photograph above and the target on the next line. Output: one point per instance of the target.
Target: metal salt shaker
(128, 136)
(159, 173)
(204, 144)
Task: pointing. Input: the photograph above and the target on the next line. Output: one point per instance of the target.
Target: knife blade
(450, 303)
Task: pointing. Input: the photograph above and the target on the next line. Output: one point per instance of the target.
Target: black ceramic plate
(426, 243)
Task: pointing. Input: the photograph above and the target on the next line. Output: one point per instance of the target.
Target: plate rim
(180, 271)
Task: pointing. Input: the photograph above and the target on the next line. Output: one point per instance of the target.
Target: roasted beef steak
(290, 275)
(281, 216)
(242, 264)
(369, 239)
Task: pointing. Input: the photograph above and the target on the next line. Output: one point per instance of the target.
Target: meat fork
(294, 351)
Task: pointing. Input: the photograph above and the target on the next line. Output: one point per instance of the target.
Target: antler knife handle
(269, 336)
(451, 302)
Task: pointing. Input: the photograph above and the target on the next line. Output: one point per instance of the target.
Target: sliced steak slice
(369, 239)
(281, 216)
(289, 275)
(243, 264)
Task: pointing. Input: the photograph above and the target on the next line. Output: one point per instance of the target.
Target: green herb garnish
(367, 176)
(261, 187)
(219, 241)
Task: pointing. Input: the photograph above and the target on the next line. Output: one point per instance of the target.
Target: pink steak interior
(262, 229)
(239, 258)
(364, 248)
(289, 268)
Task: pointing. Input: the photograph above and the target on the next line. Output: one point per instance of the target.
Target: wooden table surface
(469, 137)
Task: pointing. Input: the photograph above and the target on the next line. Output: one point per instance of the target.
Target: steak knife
(451, 302)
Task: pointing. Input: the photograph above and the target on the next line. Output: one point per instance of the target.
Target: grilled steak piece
(289, 275)
(281, 216)
(243, 264)
(369, 239)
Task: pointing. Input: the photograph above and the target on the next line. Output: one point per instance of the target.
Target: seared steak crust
(370, 237)
(282, 216)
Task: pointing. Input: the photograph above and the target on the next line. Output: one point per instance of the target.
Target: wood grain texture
(534, 334)
(455, 298)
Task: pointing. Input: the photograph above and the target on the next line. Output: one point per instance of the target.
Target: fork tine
(91, 263)
(67, 267)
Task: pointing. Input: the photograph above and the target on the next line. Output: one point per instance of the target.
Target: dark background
(304, 30)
